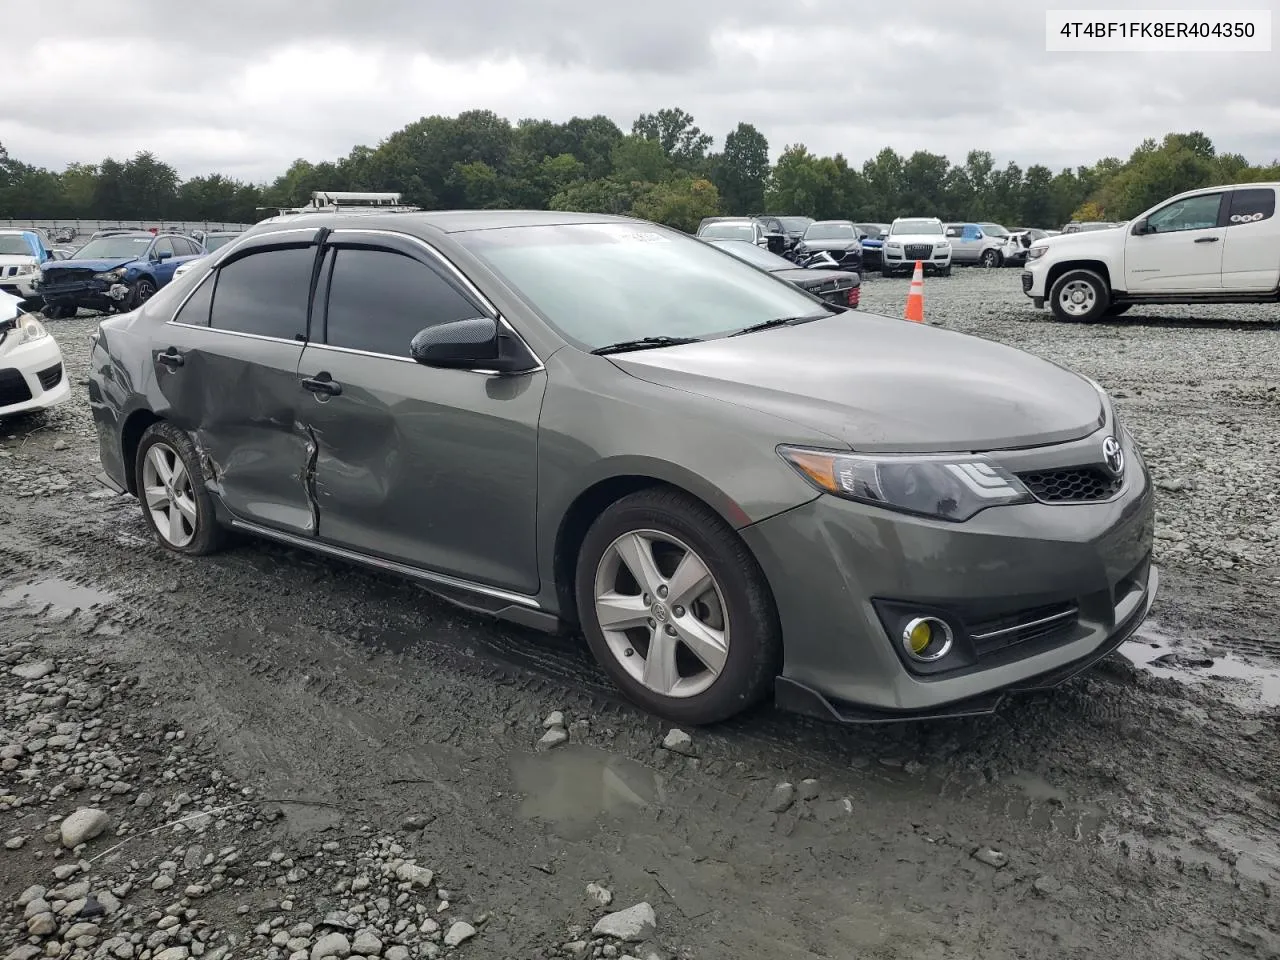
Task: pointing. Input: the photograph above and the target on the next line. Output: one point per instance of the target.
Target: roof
(446, 221)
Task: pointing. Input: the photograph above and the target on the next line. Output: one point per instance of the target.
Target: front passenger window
(380, 300)
(1193, 213)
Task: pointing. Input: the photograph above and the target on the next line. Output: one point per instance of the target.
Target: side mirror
(164, 255)
(475, 344)
(1140, 228)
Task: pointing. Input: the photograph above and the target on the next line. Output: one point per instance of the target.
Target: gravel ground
(266, 754)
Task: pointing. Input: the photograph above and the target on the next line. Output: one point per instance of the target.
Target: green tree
(675, 130)
(679, 203)
(741, 170)
(639, 159)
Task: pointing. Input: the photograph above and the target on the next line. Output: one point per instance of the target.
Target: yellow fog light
(927, 639)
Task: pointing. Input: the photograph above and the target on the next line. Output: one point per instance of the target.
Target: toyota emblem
(1113, 456)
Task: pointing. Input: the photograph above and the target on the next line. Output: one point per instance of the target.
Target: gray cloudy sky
(245, 86)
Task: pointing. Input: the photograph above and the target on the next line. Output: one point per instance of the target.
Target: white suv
(1213, 245)
(915, 238)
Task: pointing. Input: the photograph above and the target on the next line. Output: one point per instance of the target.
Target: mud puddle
(575, 786)
(54, 596)
(1248, 684)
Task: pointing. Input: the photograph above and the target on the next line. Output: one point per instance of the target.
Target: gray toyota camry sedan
(734, 489)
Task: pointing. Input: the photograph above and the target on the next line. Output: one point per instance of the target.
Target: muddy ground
(296, 758)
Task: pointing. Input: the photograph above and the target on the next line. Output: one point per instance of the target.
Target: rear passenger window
(1250, 206)
(380, 300)
(265, 293)
(195, 311)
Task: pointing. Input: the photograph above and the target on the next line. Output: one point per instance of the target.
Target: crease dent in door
(309, 474)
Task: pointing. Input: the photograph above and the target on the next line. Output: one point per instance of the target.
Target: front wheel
(944, 271)
(170, 484)
(1079, 296)
(676, 609)
(143, 290)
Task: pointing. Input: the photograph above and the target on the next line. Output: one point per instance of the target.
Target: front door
(228, 366)
(430, 467)
(1181, 252)
(966, 245)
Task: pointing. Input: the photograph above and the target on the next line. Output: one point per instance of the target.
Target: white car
(1212, 245)
(21, 254)
(31, 371)
(915, 238)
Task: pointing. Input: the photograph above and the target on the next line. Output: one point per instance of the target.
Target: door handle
(171, 359)
(322, 383)
(1207, 239)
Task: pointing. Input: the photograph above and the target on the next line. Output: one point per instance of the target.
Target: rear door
(1251, 247)
(228, 366)
(428, 467)
(1182, 253)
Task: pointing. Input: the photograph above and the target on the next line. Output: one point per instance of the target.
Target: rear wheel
(676, 609)
(170, 483)
(1079, 296)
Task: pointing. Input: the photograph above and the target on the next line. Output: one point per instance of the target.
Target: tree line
(666, 169)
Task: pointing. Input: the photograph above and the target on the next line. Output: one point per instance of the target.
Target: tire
(1087, 283)
(171, 444)
(886, 272)
(990, 259)
(944, 271)
(58, 311)
(1116, 309)
(738, 601)
(143, 290)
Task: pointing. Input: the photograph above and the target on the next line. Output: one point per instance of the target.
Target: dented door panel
(238, 397)
(434, 468)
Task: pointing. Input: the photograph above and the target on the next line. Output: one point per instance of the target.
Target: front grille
(1072, 485)
(918, 251)
(53, 278)
(1041, 623)
(50, 378)
(11, 271)
(13, 388)
(1026, 282)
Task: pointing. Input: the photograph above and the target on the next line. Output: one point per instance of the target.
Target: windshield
(214, 242)
(12, 246)
(114, 248)
(830, 231)
(795, 224)
(916, 228)
(603, 283)
(729, 231)
(757, 256)
(993, 230)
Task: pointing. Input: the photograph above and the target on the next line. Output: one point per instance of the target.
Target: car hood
(97, 266)
(15, 259)
(812, 276)
(1081, 238)
(830, 244)
(915, 238)
(885, 385)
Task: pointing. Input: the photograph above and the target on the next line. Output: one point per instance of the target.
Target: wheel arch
(1058, 269)
(597, 497)
(131, 431)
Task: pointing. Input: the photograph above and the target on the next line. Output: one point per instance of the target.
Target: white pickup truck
(1213, 245)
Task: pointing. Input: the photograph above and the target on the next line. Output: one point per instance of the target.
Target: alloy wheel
(169, 496)
(662, 613)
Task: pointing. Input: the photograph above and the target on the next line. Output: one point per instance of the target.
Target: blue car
(872, 242)
(114, 274)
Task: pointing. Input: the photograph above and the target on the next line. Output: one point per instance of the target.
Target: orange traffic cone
(915, 297)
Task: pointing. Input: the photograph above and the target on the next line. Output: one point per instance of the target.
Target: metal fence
(84, 228)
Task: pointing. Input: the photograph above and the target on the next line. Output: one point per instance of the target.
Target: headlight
(946, 486)
(944, 245)
(1036, 252)
(30, 330)
(114, 275)
(894, 246)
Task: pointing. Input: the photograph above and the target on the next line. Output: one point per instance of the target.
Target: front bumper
(1034, 279)
(32, 377)
(20, 285)
(839, 570)
(897, 259)
(92, 294)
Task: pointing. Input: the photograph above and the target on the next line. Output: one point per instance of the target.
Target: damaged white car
(31, 371)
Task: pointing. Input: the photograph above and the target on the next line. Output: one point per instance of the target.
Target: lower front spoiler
(798, 698)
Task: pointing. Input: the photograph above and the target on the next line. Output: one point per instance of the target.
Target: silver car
(971, 245)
